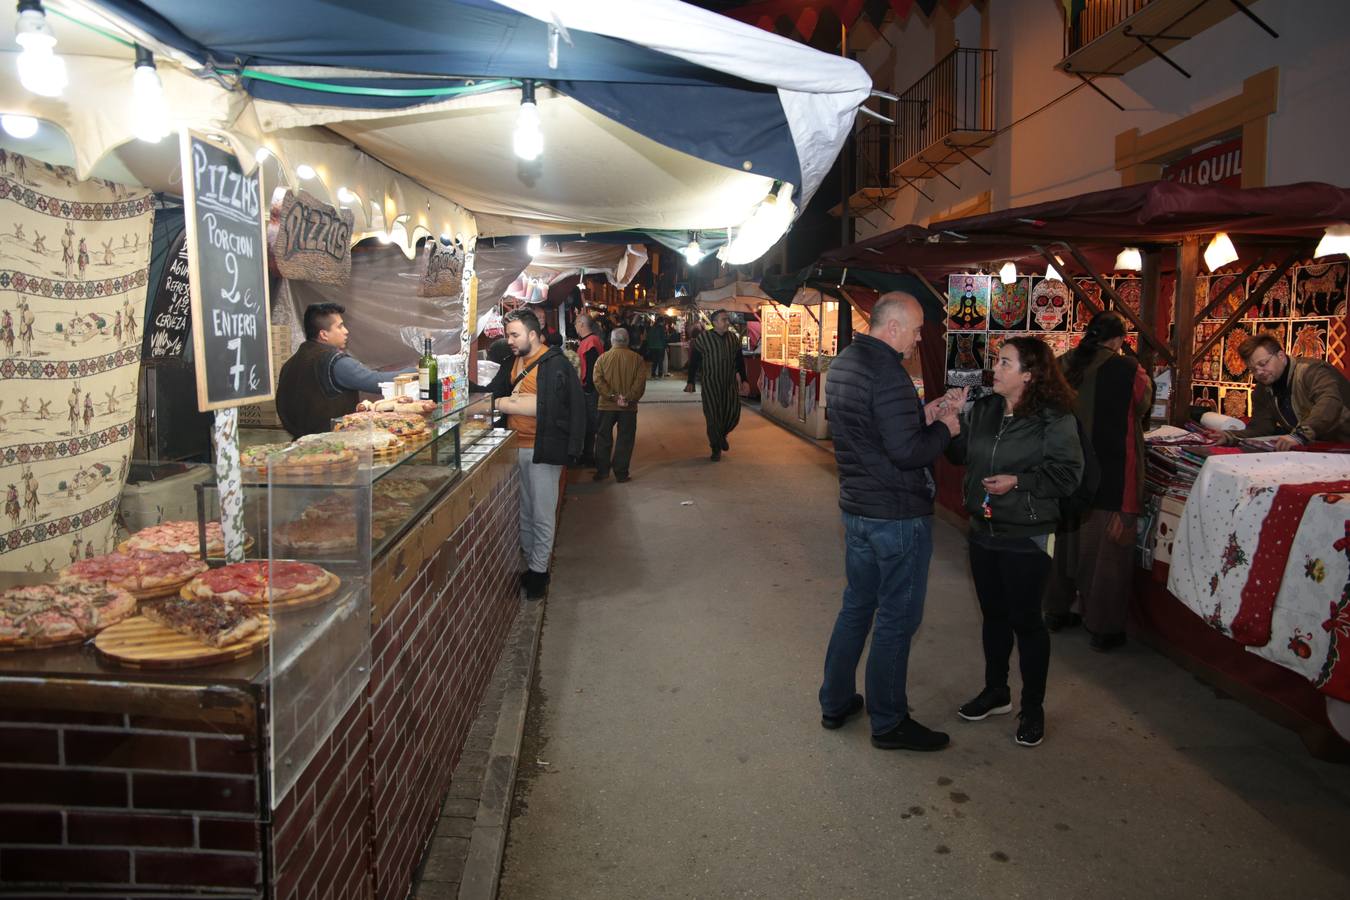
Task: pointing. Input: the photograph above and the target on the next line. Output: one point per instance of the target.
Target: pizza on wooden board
(324, 534)
(45, 614)
(401, 488)
(395, 423)
(247, 582)
(216, 623)
(177, 537)
(138, 571)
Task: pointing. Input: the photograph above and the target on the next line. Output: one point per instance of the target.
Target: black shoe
(599, 476)
(725, 445)
(622, 479)
(1030, 727)
(910, 735)
(1105, 643)
(716, 456)
(536, 585)
(1059, 621)
(991, 702)
(855, 706)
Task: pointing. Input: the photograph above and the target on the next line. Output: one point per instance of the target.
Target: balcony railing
(956, 95)
(1095, 19)
(875, 153)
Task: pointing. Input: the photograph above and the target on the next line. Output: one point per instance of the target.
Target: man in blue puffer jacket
(885, 442)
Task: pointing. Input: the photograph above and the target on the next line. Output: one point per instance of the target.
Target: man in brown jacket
(620, 379)
(1301, 400)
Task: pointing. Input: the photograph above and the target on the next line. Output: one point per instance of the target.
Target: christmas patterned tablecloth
(1263, 556)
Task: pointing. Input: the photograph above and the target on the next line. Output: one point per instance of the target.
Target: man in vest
(321, 382)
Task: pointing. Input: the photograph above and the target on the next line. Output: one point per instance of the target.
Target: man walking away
(884, 444)
(620, 379)
(542, 399)
(656, 349)
(717, 356)
(589, 350)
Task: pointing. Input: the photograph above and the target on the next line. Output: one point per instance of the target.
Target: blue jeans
(886, 561)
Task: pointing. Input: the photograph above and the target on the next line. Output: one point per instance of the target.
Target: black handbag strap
(525, 371)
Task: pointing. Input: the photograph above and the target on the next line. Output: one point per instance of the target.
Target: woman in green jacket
(1022, 455)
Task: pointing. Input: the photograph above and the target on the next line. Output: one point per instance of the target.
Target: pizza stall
(1195, 271)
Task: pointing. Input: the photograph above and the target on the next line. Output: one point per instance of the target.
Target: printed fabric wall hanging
(74, 258)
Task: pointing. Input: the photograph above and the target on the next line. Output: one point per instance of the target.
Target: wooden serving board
(288, 605)
(142, 644)
(169, 590)
(43, 645)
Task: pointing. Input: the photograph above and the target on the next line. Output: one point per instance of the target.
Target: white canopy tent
(739, 296)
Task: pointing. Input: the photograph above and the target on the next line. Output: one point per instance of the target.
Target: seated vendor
(321, 382)
(1301, 400)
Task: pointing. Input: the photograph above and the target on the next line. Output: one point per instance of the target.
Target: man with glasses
(1300, 400)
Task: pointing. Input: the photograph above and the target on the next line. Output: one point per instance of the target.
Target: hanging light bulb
(1129, 260)
(261, 155)
(1008, 273)
(1052, 274)
(40, 69)
(1220, 251)
(20, 127)
(346, 196)
(528, 139)
(1336, 239)
(151, 116)
(305, 171)
(534, 245)
(693, 254)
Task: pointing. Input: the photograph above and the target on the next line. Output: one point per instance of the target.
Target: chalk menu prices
(170, 317)
(227, 256)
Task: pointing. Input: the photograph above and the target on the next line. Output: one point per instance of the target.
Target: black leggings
(1009, 584)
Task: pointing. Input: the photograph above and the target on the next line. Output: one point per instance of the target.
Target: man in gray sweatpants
(542, 398)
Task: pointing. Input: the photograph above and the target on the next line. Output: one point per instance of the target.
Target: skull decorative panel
(1050, 304)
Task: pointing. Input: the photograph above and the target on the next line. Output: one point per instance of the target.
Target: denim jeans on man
(886, 561)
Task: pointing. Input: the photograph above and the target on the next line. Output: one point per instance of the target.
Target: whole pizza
(395, 423)
(176, 537)
(247, 582)
(255, 457)
(46, 614)
(323, 535)
(137, 571)
(401, 488)
(376, 441)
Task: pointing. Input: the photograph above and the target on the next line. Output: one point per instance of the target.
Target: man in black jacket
(885, 442)
(541, 396)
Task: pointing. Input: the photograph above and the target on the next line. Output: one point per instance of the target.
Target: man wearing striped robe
(716, 355)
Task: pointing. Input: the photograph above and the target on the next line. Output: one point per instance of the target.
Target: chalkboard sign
(169, 320)
(227, 271)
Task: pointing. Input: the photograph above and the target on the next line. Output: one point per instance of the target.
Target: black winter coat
(560, 408)
(882, 447)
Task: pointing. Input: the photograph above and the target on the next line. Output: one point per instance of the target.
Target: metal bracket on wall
(1148, 39)
(1092, 84)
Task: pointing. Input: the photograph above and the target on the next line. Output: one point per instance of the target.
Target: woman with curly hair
(1022, 455)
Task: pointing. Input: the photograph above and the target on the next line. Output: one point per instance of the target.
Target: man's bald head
(897, 318)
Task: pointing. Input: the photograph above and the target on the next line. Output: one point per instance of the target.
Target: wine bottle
(426, 368)
(433, 379)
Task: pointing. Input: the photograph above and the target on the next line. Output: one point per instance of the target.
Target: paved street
(673, 747)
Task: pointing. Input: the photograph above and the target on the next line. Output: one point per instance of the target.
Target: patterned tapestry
(73, 265)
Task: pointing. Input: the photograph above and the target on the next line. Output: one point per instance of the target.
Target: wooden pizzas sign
(227, 256)
(310, 240)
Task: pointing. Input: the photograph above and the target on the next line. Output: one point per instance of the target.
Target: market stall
(797, 344)
(1269, 266)
(260, 688)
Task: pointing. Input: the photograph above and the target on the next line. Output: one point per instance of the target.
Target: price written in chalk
(227, 242)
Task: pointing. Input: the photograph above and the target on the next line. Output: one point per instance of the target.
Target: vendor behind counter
(321, 382)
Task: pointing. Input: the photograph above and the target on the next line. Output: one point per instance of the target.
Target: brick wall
(432, 656)
(369, 801)
(117, 802)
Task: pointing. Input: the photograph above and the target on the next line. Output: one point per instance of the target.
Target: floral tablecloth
(1263, 556)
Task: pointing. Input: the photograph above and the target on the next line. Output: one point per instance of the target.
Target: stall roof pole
(1120, 306)
(1151, 276)
(1253, 298)
(1188, 267)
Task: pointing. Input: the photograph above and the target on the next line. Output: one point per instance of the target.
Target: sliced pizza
(137, 571)
(47, 614)
(216, 623)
